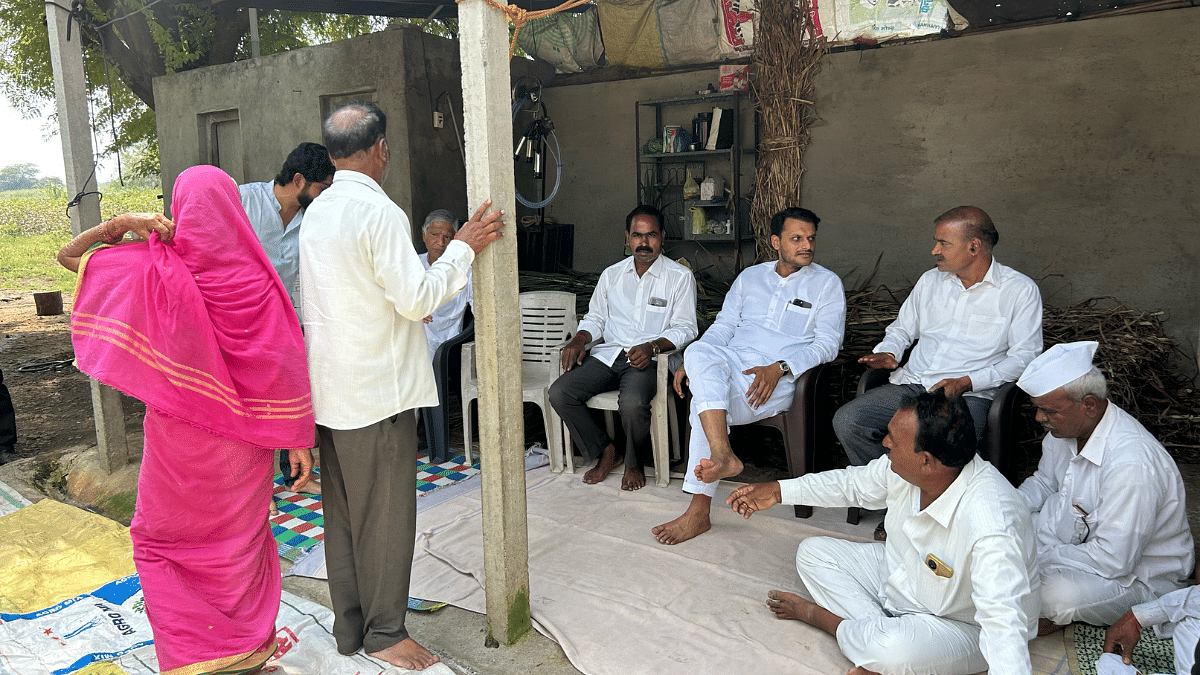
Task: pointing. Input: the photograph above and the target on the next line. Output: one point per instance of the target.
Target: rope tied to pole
(518, 16)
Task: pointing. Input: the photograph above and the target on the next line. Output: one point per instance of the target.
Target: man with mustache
(642, 306)
(1107, 500)
(778, 320)
(276, 209)
(976, 324)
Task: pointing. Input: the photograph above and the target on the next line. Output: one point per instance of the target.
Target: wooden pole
(70, 90)
(487, 123)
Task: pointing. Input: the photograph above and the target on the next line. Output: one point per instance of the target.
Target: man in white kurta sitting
(642, 306)
(954, 589)
(1107, 499)
(778, 320)
(446, 321)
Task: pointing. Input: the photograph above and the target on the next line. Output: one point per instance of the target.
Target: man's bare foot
(713, 470)
(407, 654)
(859, 670)
(790, 606)
(693, 523)
(1047, 627)
(274, 508)
(634, 478)
(312, 487)
(604, 466)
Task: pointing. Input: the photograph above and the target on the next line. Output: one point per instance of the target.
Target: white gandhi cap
(1059, 365)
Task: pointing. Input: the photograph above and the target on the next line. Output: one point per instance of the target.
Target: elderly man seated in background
(1107, 500)
(446, 321)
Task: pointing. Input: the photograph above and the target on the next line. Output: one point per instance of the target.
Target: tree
(18, 177)
(164, 37)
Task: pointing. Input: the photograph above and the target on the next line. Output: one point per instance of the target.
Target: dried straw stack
(786, 62)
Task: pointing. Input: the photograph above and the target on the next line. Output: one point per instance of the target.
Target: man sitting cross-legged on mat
(778, 320)
(954, 589)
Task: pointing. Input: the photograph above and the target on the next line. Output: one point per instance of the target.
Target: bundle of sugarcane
(786, 62)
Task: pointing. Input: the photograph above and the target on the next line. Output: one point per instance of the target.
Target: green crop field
(34, 225)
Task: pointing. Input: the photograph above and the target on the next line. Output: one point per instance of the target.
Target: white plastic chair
(548, 321)
(663, 423)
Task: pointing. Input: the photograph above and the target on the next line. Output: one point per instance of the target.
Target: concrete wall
(595, 125)
(1082, 140)
(279, 100)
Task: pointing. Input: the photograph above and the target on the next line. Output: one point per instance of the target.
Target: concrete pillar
(70, 90)
(487, 123)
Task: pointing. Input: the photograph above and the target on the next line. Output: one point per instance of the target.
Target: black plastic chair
(446, 368)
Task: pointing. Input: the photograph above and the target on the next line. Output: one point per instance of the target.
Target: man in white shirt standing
(778, 320)
(364, 294)
(954, 590)
(642, 306)
(1107, 500)
(446, 321)
(979, 323)
(276, 209)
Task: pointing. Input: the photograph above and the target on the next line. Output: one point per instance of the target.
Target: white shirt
(364, 294)
(1168, 610)
(1136, 525)
(627, 310)
(447, 319)
(989, 331)
(280, 242)
(979, 527)
(799, 318)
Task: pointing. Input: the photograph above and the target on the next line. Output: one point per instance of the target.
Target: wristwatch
(655, 348)
(784, 367)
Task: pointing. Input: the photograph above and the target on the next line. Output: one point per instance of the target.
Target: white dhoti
(717, 383)
(846, 579)
(1071, 595)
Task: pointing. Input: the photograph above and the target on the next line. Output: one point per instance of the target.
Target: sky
(26, 142)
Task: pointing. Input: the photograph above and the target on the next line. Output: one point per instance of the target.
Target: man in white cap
(1107, 499)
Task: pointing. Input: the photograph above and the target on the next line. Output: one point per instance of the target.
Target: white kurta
(1113, 514)
(979, 528)
(1175, 615)
(364, 293)
(989, 331)
(447, 319)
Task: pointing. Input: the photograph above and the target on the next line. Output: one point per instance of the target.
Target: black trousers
(635, 389)
(8, 418)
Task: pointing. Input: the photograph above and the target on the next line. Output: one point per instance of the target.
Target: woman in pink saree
(195, 323)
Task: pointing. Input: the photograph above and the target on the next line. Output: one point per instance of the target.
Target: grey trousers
(369, 483)
(636, 388)
(862, 423)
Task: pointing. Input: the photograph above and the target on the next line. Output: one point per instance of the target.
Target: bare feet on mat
(607, 462)
(634, 478)
(693, 523)
(790, 606)
(859, 670)
(722, 465)
(274, 509)
(407, 654)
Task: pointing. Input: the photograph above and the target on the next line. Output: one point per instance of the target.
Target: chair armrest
(468, 363)
(467, 334)
(872, 378)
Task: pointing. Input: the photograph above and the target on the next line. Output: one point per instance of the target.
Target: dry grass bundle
(786, 62)
(1135, 356)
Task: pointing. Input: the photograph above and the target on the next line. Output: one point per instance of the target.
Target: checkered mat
(1085, 644)
(300, 524)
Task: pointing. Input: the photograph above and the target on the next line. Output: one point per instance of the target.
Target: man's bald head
(976, 224)
(353, 128)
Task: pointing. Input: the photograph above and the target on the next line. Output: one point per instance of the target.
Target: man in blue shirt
(276, 209)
